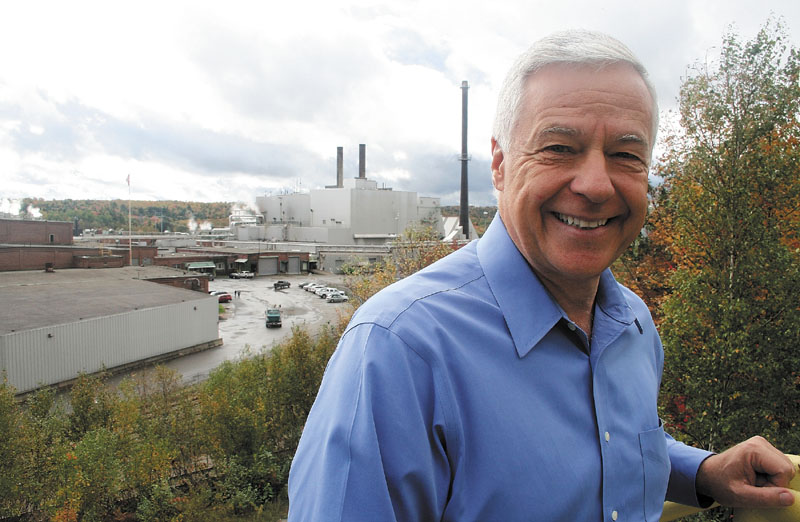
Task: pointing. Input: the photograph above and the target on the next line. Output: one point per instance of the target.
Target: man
(515, 379)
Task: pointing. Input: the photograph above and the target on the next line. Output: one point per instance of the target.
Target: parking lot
(243, 328)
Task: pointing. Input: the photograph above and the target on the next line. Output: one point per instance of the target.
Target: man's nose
(592, 178)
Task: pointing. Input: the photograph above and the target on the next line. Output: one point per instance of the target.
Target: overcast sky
(225, 101)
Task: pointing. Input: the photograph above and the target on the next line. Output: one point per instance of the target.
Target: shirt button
(571, 327)
(608, 437)
(614, 515)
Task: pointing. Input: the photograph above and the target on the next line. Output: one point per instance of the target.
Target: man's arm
(752, 474)
(373, 445)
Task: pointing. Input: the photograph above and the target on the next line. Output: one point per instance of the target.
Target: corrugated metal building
(55, 325)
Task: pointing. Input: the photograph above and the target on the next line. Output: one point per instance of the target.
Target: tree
(416, 248)
(728, 215)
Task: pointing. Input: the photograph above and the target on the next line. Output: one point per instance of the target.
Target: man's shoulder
(636, 303)
(441, 281)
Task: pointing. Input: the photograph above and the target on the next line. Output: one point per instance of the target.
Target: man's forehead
(564, 99)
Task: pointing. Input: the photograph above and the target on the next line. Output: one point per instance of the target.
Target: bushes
(254, 411)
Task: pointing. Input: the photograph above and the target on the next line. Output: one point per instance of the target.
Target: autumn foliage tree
(727, 217)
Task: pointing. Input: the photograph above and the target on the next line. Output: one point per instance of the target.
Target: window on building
(52, 238)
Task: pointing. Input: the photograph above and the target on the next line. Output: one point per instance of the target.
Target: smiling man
(516, 379)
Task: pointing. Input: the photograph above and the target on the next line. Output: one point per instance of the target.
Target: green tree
(92, 404)
(728, 212)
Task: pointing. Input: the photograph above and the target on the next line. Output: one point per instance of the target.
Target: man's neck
(576, 298)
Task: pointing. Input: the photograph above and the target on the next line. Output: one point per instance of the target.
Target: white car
(338, 298)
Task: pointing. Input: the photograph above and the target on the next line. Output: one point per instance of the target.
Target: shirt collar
(528, 308)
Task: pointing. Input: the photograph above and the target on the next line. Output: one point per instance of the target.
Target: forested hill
(146, 216)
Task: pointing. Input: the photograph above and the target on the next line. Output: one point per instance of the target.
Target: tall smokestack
(464, 213)
(339, 167)
(362, 161)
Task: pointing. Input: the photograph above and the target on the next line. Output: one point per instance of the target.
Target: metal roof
(200, 264)
(38, 299)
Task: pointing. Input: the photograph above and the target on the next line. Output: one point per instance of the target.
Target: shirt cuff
(685, 461)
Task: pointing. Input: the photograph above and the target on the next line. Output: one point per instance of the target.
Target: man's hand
(751, 474)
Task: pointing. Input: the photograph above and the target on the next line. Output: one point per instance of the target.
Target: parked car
(338, 298)
(224, 297)
(312, 287)
(281, 284)
(244, 274)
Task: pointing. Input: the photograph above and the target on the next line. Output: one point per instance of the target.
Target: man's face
(573, 186)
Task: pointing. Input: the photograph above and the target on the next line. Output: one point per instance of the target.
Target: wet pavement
(242, 328)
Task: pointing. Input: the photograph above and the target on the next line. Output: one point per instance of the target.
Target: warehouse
(58, 324)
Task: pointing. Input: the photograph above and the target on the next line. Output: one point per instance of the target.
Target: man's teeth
(580, 223)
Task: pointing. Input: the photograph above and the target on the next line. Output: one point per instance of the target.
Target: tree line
(146, 216)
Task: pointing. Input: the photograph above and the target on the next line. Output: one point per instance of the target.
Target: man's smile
(578, 222)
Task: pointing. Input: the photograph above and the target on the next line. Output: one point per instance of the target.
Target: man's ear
(498, 168)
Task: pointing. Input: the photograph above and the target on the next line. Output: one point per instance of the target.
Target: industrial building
(60, 323)
(351, 222)
(354, 211)
(36, 245)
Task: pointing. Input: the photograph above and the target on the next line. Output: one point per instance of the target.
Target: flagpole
(130, 232)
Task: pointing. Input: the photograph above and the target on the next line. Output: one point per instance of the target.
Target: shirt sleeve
(373, 447)
(685, 461)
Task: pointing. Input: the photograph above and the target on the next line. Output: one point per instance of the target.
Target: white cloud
(210, 101)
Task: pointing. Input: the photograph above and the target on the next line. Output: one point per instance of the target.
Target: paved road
(242, 327)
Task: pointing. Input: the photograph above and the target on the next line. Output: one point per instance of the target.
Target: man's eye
(627, 155)
(558, 148)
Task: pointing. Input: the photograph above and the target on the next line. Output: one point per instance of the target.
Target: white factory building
(354, 211)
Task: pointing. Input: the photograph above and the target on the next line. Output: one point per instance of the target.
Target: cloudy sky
(224, 101)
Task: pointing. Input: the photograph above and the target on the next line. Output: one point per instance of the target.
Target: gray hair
(577, 47)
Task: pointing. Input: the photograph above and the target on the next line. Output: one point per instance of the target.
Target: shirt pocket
(656, 468)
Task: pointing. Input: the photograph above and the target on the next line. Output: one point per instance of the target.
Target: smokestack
(464, 213)
(362, 161)
(339, 167)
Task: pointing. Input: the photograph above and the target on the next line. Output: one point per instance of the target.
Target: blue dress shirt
(464, 393)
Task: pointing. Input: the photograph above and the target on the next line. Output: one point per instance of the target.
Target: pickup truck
(273, 318)
(278, 285)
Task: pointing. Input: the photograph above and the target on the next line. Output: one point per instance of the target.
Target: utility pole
(130, 232)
